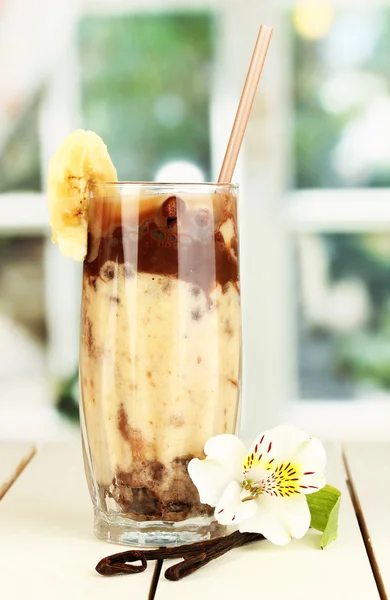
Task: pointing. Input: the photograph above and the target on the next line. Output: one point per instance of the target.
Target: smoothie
(160, 344)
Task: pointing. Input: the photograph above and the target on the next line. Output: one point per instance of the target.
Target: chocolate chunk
(172, 207)
(157, 470)
(108, 271)
(171, 222)
(145, 503)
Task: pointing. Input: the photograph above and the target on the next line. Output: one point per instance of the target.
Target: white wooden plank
(369, 469)
(47, 547)
(13, 459)
(300, 570)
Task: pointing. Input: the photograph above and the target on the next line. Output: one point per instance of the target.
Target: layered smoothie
(161, 343)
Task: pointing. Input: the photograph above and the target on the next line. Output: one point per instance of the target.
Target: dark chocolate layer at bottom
(168, 495)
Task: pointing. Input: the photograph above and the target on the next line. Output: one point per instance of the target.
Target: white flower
(263, 490)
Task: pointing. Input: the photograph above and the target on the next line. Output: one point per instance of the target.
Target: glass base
(118, 529)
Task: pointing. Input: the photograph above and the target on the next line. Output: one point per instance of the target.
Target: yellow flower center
(283, 480)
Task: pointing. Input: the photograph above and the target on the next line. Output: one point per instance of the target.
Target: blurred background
(160, 80)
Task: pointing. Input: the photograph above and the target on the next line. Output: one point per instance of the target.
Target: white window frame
(269, 219)
(341, 211)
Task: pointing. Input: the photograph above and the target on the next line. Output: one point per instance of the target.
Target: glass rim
(169, 184)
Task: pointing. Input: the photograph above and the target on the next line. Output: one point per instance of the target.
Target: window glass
(341, 96)
(344, 315)
(20, 158)
(22, 308)
(145, 88)
(22, 303)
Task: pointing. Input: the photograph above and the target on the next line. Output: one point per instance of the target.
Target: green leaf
(324, 508)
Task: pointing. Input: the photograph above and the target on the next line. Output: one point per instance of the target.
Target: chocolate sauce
(170, 239)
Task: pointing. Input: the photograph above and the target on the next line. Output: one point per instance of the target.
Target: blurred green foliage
(351, 256)
(145, 88)
(361, 355)
(316, 129)
(364, 357)
(20, 167)
(68, 397)
(315, 132)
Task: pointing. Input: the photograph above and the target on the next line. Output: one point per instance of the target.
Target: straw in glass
(245, 105)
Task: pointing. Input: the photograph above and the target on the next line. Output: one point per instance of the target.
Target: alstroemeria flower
(263, 490)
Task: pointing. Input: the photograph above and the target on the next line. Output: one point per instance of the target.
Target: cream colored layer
(160, 369)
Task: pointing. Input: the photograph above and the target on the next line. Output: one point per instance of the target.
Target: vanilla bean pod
(195, 556)
(195, 562)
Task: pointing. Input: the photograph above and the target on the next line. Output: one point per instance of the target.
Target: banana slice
(80, 162)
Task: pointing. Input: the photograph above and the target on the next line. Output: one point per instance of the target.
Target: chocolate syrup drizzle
(169, 240)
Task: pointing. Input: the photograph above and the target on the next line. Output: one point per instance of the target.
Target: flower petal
(285, 460)
(279, 519)
(229, 450)
(276, 445)
(309, 484)
(211, 479)
(311, 457)
(230, 509)
(312, 454)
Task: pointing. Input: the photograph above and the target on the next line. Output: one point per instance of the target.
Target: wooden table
(48, 551)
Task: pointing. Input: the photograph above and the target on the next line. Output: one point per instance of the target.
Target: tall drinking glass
(160, 353)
